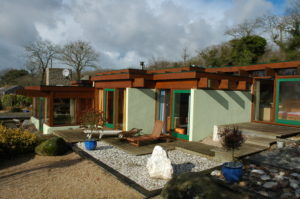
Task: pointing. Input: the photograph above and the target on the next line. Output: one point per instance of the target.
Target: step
(253, 133)
(261, 141)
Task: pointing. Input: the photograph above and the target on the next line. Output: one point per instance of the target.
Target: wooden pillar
(51, 109)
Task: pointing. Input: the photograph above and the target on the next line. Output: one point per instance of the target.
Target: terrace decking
(196, 148)
(266, 130)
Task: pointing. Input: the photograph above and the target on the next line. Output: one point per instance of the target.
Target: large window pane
(64, 111)
(289, 100)
(164, 109)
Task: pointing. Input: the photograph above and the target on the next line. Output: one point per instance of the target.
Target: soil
(68, 176)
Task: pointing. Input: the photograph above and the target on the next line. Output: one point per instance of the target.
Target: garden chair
(156, 135)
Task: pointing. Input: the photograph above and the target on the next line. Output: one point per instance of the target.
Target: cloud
(125, 32)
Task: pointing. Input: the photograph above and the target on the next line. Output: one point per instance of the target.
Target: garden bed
(134, 167)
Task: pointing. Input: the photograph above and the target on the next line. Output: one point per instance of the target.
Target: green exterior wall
(140, 109)
(217, 107)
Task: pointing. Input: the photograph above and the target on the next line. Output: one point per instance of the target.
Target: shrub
(231, 139)
(51, 147)
(16, 141)
(8, 100)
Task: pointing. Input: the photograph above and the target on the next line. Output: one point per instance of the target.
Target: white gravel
(134, 167)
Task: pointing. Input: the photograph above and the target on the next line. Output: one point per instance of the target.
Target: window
(288, 101)
(64, 111)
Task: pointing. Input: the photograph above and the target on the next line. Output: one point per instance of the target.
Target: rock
(286, 195)
(216, 173)
(296, 175)
(273, 170)
(270, 185)
(242, 183)
(278, 177)
(282, 173)
(258, 171)
(258, 183)
(265, 177)
(26, 123)
(52, 147)
(294, 183)
(264, 193)
(283, 183)
(197, 185)
(297, 193)
(159, 165)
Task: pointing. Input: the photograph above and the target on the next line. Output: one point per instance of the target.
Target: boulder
(159, 165)
(52, 147)
(196, 185)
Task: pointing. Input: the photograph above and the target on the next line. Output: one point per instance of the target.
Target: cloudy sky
(124, 32)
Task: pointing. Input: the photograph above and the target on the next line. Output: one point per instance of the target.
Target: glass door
(264, 90)
(41, 113)
(164, 109)
(109, 107)
(288, 101)
(180, 114)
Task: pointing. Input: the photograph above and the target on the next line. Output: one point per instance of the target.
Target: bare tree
(40, 56)
(247, 28)
(79, 55)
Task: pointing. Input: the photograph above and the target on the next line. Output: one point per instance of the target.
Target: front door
(180, 114)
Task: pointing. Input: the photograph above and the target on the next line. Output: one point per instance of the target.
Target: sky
(124, 32)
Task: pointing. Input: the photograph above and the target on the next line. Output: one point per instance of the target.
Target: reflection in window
(287, 71)
(289, 100)
(64, 111)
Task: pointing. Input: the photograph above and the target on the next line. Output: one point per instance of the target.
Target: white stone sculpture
(159, 165)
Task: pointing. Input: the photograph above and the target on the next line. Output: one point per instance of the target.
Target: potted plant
(91, 121)
(232, 139)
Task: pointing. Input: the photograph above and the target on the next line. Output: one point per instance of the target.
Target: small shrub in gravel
(52, 147)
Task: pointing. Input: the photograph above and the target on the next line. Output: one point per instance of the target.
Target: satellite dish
(66, 72)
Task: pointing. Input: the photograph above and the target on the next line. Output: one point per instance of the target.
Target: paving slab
(244, 150)
(71, 136)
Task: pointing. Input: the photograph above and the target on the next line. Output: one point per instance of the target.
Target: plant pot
(232, 171)
(90, 144)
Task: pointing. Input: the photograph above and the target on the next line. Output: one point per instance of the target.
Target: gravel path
(134, 167)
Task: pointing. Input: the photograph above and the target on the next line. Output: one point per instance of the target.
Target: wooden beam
(180, 75)
(114, 84)
(203, 82)
(187, 84)
(224, 84)
(138, 82)
(242, 85)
